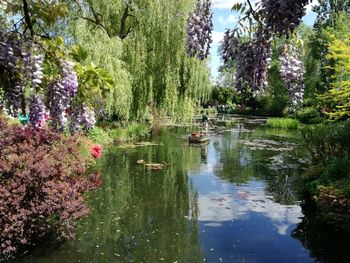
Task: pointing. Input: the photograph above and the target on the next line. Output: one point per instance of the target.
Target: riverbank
(327, 180)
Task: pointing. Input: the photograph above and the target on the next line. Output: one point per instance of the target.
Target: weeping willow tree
(164, 78)
(143, 43)
(106, 52)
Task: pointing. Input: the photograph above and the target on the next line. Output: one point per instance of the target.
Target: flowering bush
(96, 151)
(42, 185)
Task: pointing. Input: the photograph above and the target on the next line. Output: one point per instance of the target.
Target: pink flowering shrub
(42, 185)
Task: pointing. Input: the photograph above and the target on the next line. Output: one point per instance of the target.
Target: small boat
(198, 137)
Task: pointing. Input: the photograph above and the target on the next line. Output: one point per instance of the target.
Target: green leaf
(237, 7)
(60, 41)
(78, 54)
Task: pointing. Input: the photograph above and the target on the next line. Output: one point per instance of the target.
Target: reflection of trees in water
(282, 185)
(324, 243)
(144, 216)
(234, 162)
(239, 164)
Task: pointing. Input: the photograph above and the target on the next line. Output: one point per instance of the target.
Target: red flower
(96, 151)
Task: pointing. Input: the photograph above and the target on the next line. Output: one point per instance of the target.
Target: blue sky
(224, 18)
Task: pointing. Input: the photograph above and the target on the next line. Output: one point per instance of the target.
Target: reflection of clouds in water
(244, 157)
(216, 207)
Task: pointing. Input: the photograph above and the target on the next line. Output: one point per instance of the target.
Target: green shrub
(337, 169)
(328, 142)
(310, 102)
(138, 131)
(99, 135)
(309, 115)
(118, 135)
(283, 123)
(275, 106)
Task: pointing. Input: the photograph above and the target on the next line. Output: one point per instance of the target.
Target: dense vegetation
(67, 65)
(42, 185)
(129, 71)
(302, 73)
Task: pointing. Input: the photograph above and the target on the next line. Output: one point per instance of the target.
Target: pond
(233, 200)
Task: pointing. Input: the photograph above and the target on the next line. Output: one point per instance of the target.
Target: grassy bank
(283, 123)
(110, 135)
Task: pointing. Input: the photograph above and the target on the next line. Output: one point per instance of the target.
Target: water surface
(233, 200)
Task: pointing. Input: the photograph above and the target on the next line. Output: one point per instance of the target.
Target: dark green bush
(328, 142)
(309, 102)
(309, 115)
(138, 131)
(275, 106)
(336, 169)
(329, 146)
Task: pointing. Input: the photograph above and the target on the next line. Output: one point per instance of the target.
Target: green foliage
(309, 115)
(329, 146)
(223, 95)
(162, 74)
(328, 142)
(133, 132)
(185, 111)
(145, 53)
(137, 131)
(105, 52)
(312, 63)
(338, 97)
(319, 67)
(99, 135)
(328, 11)
(118, 134)
(283, 123)
(277, 99)
(43, 13)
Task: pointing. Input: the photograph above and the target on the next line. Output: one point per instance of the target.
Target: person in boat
(205, 120)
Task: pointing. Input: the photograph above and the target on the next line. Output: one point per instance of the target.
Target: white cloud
(217, 37)
(217, 208)
(231, 19)
(309, 7)
(227, 4)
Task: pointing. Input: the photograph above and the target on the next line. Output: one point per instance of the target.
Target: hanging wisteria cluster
(11, 71)
(292, 72)
(21, 67)
(283, 16)
(37, 73)
(81, 117)
(69, 78)
(199, 30)
(251, 58)
(60, 94)
(279, 18)
(37, 111)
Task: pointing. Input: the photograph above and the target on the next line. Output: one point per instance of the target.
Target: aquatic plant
(283, 123)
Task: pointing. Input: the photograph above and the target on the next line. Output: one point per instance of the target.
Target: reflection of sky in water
(240, 222)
